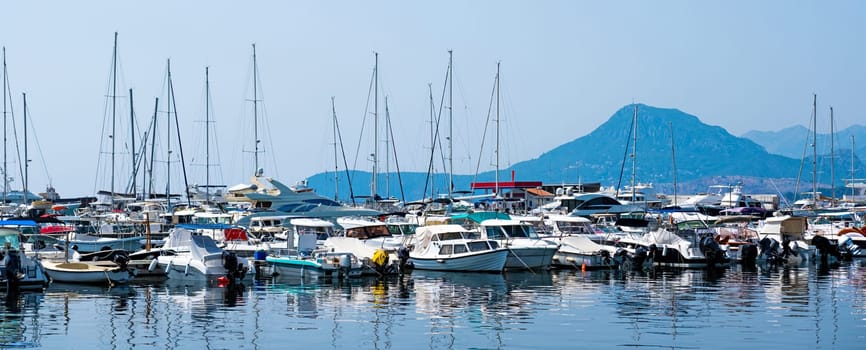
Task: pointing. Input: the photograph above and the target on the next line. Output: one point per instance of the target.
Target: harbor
(557, 309)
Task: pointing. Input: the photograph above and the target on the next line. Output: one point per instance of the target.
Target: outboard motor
(380, 262)
(605, 257)
(769, 250)
(12, 264)
(234, 270)
(825, 250)
(748, 254)
(848, 249)
(712, 251)
(403, 257)
(121, 258)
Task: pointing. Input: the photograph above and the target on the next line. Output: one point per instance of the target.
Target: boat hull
(308, 268)
(529, 257)
(487, 261)
(85, 272)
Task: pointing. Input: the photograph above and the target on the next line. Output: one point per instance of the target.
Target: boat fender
(168, 266)
(186, 270)
(152, 265)
(345, 261)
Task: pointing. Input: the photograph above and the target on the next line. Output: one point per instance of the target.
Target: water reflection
(18, 321)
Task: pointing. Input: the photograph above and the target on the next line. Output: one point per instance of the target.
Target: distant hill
(705, 155)
(792, 141)
(701, 151)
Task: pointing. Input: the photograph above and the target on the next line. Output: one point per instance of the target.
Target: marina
(772, 308)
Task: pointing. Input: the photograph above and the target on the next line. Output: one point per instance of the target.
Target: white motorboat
(454, 248)
(526, 249)
(191, 256)
(18, 269)
(306, 262)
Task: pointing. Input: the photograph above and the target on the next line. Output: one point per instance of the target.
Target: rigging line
(484, 135)
(624, 156)
(436, 135)
(396, 162)
(32, 127)
(802, 161)
(179, 144)
(363, 124)
(343, 151)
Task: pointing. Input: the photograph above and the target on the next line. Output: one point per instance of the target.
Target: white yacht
(526, 249)
(454, 248)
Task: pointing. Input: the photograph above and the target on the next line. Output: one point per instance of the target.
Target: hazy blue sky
(566, 67)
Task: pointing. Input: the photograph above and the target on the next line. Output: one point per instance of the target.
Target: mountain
(705, 155)
(791, 141)
(701, 150)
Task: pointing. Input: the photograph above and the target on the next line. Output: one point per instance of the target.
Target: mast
(375, 127)
(5, 92)
(132, 139)
(113, 112)
(497, 130)
(673, 161)
(256, 108)
(168, 136)
(634, 156)
(450, 124)
(387, 150)
(814, 150)
(149, 181)
(207, 132)
(832, 159)
(852, 168)
(26, 161)
(336, 166)
(433, 127)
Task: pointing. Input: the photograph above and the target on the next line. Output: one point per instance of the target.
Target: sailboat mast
(336, 166)
(375, 127)
(496, 183)
(255, 109)
(832, 158)
(673, 161)
(132, 139)
(634, 156)
(432, 138)
(149, 181)
(450, 124)
(387, 150)
(814, 149)
(113, 112)
(5, 92)
(26, 162)
(207, 132)
(852, 168)
(168, 137)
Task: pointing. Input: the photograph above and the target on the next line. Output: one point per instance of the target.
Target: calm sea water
(685, 309)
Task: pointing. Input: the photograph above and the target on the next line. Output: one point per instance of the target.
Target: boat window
(493, 244)
(459, 248)
(447, 249)
(322, 201)
(478, 246)
(493, 232)
(515, 231)
(12, 240)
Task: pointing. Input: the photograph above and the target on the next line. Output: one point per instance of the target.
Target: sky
(565, 68)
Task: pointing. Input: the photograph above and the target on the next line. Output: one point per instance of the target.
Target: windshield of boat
(402, 229)
(445, 236)
(571, 227)
(10, 239)
(321, 232)
(511, 231)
